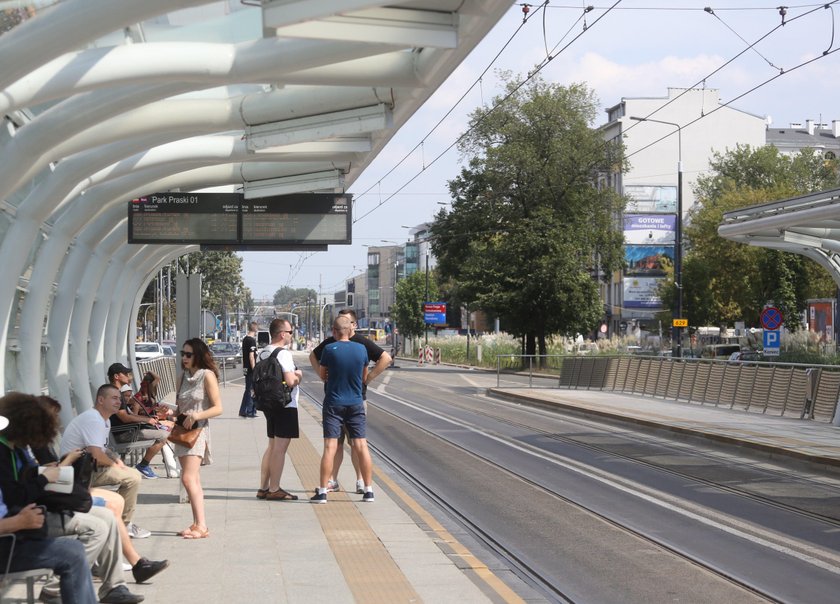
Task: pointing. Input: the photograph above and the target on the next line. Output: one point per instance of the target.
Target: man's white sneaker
(332, 486)
(360, 487)
(135, 532)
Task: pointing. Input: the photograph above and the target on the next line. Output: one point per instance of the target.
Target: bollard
(421, 356)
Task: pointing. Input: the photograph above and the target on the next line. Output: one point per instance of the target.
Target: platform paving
(295, 551)
(807, 441)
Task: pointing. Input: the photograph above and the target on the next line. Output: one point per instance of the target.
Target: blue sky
(639, 49)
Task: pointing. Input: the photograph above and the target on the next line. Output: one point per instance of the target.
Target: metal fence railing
(165, 369)
(782, 389)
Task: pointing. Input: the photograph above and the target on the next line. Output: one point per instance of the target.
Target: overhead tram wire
(718, 69)
(774, 7)
(448, 113)
(531, 74)
(740, 96)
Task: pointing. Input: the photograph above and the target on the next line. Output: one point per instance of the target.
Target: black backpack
(270, 390)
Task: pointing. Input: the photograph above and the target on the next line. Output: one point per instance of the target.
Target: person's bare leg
(152, 451)
(115, 503)
(330, 445)
(276, 462)
(264, 466)
(360, 448)
(191, 479)
(338, 457)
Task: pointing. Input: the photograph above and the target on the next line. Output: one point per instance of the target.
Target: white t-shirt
(287, 364)
(85, 430)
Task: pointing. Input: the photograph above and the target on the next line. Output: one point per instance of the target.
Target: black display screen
(227, 219)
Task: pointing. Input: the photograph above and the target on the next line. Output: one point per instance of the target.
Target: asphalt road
(589, 512)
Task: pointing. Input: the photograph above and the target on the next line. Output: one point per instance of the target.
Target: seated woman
(66, 557)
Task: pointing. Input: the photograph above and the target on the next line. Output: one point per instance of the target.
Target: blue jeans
(247, 407)
(66, 556)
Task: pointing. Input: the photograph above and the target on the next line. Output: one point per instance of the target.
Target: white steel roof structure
(108, 100)
(808, 225)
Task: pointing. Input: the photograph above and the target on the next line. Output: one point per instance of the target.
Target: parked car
(168, 350)
(144, 351)
(228, 355)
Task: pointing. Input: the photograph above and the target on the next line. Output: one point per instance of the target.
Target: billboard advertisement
(647, 260)
(642, 292)
(645, 198)
(650, 229)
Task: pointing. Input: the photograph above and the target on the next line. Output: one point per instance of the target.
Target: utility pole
(426, 299)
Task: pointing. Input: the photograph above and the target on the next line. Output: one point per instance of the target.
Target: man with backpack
(275, 367)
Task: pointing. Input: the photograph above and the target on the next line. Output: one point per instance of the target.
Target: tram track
(520, 567)
(806, 483)
(517, 564)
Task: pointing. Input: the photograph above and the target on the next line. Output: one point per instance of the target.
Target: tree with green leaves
(222, 287)
(532, 218)
(287, 295)
(725, 281)
(408, 307)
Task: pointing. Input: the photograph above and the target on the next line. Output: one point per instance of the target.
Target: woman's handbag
(182, 436)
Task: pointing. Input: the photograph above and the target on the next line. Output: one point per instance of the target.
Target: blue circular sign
(771, 318)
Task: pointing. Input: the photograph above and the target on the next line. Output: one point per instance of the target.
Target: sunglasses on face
(186, 355)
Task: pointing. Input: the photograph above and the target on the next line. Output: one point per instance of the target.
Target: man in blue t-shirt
(343, 368)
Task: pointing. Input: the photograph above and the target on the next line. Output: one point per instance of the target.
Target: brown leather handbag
(182, 436)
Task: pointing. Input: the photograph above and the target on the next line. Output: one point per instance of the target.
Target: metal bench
(9, 578)
(126, 441)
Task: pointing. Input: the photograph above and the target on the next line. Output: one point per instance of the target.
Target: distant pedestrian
(197, 401)
(281, 424)
(343, 367)
(249, 359)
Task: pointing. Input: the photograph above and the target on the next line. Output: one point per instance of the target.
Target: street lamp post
(676, 332)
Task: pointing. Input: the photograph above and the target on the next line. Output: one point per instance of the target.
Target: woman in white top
(198, 400)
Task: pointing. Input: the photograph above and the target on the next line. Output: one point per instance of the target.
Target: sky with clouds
(638, 49)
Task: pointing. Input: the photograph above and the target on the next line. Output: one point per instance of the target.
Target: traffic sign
(680, 323)
(771, 318)
(772, 340)
(434, 313)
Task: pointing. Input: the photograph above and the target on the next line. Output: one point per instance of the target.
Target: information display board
(184, 218)
(317, 219)
(227, 221)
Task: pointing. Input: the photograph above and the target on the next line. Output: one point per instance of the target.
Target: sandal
(261, 493)
(196, 532)
(280, 495)
(186, 531)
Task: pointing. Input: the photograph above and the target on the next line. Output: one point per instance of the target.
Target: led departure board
(318, 219)
(184, 218)
(309, 221)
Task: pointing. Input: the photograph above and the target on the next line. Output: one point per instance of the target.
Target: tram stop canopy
(108, 100)
(808, 225)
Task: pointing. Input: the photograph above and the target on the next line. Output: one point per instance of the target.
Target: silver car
(225, 354)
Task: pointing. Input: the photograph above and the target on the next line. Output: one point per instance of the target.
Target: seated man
(143, 569)
(90, 431)
(119, 376)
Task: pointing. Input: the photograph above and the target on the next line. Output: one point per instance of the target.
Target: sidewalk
(294, 551)
(813, 442)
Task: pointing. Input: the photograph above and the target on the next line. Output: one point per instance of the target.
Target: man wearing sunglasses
(281, 424)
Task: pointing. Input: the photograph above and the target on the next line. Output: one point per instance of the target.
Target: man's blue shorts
(352, 417)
